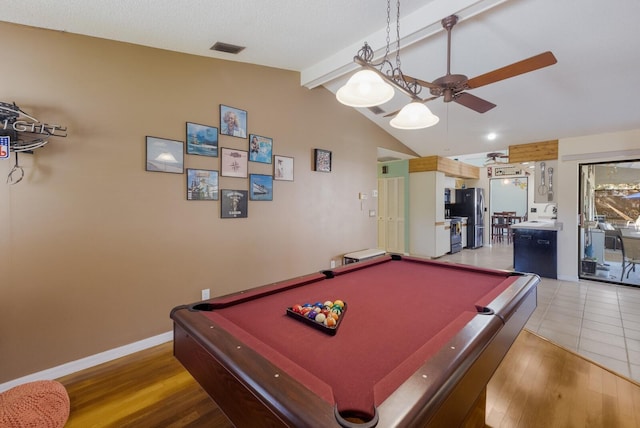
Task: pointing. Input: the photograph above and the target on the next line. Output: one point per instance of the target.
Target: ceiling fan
(452, 87)
(492, 158)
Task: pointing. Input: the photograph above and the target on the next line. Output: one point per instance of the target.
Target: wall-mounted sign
(25, 132)
(507, 170)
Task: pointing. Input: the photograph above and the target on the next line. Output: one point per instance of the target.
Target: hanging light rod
(374, 85)
(409, 87)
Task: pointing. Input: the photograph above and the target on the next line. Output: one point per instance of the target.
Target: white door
(391, 214)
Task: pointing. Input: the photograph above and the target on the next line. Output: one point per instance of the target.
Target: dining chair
(630, 254)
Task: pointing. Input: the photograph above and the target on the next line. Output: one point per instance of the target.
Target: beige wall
(95, 251)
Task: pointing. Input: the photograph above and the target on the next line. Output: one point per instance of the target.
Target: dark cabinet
(535, 251)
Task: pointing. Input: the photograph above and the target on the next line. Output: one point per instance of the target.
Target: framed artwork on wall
(233, 121)
(165, 155)
(202, 185)
(233, 163)
(202, 140)
(260, 148)
(322, 160)
(260, 187)
(282, 168)
(233, 204)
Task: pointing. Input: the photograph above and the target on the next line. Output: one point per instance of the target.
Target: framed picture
(282, 168)
(165, 155)
(233, 121)
(260, 148)
(202, 140)
(202, 185)
(233, 163)
(322, 160)
(260, 187)
(233, 204)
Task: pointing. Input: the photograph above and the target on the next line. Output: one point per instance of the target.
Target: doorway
(509, 194)
(508, 203)
(609, 229)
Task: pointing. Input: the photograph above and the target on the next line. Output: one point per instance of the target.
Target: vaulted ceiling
(592, 89)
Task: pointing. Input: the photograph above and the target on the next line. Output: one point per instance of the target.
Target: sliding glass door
(610, 222)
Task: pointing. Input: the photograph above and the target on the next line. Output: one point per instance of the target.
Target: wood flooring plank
(537, 385)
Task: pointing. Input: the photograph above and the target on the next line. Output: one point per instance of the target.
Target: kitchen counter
(539, 225)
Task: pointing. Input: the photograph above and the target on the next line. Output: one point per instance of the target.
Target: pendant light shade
(365, 89)
(414, 115)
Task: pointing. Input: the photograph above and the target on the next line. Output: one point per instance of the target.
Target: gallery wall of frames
(172, 156)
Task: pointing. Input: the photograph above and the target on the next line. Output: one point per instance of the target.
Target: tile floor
(599, 321)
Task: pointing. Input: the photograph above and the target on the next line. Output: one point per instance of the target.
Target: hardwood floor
(538, 384)
(146, 389)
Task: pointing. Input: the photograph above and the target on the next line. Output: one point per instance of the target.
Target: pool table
(416, 346)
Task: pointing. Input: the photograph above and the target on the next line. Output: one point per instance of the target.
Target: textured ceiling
(592, 89)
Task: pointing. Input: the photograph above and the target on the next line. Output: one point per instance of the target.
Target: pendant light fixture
(414, 115)
(374, 85)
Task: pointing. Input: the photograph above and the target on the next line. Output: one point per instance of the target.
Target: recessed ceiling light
(491, 136)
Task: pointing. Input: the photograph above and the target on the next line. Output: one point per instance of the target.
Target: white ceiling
(592, 89)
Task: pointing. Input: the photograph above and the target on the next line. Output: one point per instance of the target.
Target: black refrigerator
(470, 203)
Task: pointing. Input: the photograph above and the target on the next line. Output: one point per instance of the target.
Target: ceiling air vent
(226, 47)
(376, 110)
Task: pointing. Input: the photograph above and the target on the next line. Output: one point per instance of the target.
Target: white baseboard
(91, 361)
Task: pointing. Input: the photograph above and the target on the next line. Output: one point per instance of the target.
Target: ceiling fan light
(414, 115)
(365, 89)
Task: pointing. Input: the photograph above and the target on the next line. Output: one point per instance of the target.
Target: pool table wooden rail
(241, 381)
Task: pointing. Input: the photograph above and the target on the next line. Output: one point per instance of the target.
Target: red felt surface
(399, 314)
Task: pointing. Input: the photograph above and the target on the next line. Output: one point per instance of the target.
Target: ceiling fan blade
(426, 100)
(473, 102)
(526, 65)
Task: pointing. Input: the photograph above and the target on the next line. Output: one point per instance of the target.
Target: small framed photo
(233, 204)
(260, 187)
(260, 148)
(202, 185)
(233, 121)
(233, 163)
(165, 155)
(322, 160)
(202, 140)
(282, 168)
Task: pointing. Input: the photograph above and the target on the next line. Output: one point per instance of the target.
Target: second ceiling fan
(453, 87)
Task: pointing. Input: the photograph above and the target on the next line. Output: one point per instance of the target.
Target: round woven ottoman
(42, 404)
